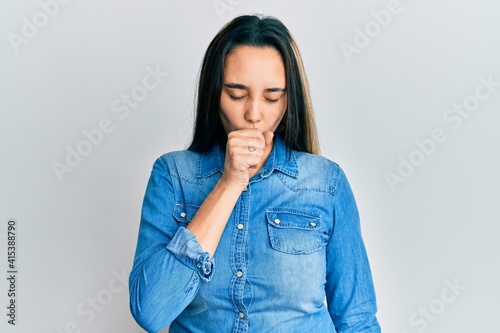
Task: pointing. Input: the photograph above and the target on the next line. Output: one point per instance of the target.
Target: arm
(209, 222)
(168, 261)
(239, 166)
(349, 287)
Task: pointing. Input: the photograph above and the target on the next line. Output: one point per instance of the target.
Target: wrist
(231, 186)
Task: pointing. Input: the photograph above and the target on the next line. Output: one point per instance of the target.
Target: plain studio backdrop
(406, 95)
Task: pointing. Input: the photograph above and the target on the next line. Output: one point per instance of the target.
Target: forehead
(252, 64)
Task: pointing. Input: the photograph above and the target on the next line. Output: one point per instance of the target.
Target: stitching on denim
(307, 249)
(292, 211)
(277, 233)
(321, 189)
(188, 180)
(336, 178)
(180, 207)
(192, 284)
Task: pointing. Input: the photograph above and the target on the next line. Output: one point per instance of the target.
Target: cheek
(226, 124)
(280, 113)
(226, 112)
(223, 103)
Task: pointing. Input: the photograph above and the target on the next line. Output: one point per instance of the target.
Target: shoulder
(318, 164)
(319, 170)
(180, 155)
(174, 161)
(318, 161)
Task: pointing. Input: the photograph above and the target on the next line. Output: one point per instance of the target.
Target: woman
(249, 230)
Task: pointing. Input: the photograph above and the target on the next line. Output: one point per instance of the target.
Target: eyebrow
(243, 87)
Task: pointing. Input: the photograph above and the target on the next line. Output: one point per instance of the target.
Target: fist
(246, 153)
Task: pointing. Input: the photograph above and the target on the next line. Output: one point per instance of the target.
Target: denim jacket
(291, 257)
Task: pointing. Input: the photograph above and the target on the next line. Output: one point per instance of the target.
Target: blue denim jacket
(291, 245)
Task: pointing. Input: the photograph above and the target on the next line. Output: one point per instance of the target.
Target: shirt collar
(212, 161)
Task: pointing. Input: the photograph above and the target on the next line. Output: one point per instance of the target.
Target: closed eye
(269, 100)
(234, 98)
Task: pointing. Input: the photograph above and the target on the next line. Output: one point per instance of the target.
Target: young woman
(249, 229)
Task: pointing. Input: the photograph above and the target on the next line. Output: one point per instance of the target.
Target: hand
(245, 155)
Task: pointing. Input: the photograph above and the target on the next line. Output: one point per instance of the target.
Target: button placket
(238, 261)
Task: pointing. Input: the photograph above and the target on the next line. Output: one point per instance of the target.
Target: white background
(78, 233)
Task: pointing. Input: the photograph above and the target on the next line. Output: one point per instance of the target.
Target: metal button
(183, 214)
(240, 226)
(277, 221)
(239, 274)
(312, 224)
(241, 315)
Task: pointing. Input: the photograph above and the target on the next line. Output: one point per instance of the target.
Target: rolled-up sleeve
(349, 288)
(186, 248)
(168, 262)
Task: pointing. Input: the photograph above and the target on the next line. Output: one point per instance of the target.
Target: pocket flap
(295, 232)
(184, 213)
(293, 219)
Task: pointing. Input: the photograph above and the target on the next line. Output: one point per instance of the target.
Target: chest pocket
(295, 232)
(183, 213)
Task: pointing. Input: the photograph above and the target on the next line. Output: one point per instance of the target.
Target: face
(254, 89)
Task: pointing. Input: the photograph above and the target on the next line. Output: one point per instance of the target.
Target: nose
(253, 113)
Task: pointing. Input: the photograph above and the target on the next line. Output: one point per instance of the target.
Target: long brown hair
(297, 128)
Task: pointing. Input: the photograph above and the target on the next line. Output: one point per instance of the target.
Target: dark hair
(297, 127)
